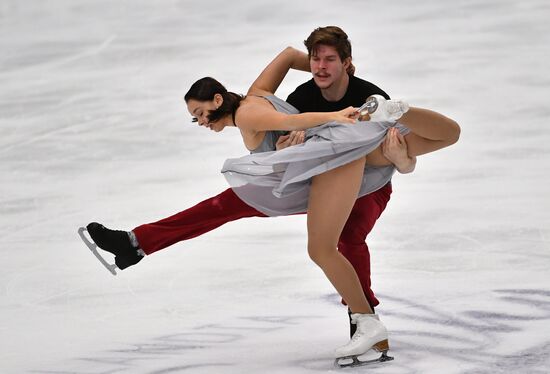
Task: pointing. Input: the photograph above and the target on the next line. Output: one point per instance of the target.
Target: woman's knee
(320, 252)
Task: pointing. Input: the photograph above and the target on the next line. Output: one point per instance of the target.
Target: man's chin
(322, 84)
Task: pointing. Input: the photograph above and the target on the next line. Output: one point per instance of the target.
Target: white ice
(93, 127)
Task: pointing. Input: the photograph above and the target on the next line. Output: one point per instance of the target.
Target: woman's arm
(271, 77)
(255, 118)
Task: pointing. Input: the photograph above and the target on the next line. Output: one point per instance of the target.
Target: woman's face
(201, 109)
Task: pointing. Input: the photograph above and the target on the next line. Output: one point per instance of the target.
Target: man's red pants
(227, 207)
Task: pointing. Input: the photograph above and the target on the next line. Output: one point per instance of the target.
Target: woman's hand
(348, 115)
(293, 138)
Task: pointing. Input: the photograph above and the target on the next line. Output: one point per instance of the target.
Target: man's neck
(337, 90)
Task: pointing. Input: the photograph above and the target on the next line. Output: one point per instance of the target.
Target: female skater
(325, 174)
(339, 161)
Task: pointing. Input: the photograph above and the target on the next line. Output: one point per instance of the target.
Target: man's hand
(394, 149)
(293, 138)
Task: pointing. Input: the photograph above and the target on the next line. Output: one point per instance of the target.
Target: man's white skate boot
(371, 334)
(382, 110)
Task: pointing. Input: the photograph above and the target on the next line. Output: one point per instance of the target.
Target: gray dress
(270, 139)
(277, 183)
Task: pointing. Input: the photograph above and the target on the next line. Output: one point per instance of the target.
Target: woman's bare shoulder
(255, 103)
(256, 114)
(253, 91)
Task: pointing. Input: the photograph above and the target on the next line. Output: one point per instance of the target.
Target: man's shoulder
(359, 81)
(366, 87)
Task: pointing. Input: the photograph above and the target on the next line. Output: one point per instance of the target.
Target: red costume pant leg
(352, 243)
(192, 222)
(227, 207)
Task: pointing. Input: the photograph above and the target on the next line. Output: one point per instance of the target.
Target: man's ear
(347, 62)
(350, 69)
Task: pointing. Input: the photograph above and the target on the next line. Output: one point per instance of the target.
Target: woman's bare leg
(331, 199)
(430, 131)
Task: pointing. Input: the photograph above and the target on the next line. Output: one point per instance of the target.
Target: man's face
(326, 66)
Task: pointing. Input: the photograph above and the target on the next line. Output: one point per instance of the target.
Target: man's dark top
(307, 97)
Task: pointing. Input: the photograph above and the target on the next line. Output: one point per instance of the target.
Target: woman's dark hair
(204, 90)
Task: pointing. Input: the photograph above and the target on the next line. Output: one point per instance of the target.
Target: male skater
(333, 89)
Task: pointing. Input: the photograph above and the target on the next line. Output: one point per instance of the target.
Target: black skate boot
(117, 242)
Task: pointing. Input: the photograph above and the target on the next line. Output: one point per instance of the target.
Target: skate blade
(369, 107)
(93, 248)
(355, 361)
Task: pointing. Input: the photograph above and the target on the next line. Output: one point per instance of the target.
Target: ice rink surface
(93, 127)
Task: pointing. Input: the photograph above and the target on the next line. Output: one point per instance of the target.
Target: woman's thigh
(331, 199)
(377, 158)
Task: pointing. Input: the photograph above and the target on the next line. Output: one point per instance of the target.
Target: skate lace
(358, 335)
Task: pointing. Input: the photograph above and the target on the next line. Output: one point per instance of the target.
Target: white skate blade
(360, 360)
(93, 248)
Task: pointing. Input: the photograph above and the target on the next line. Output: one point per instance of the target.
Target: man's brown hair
(332, 36)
